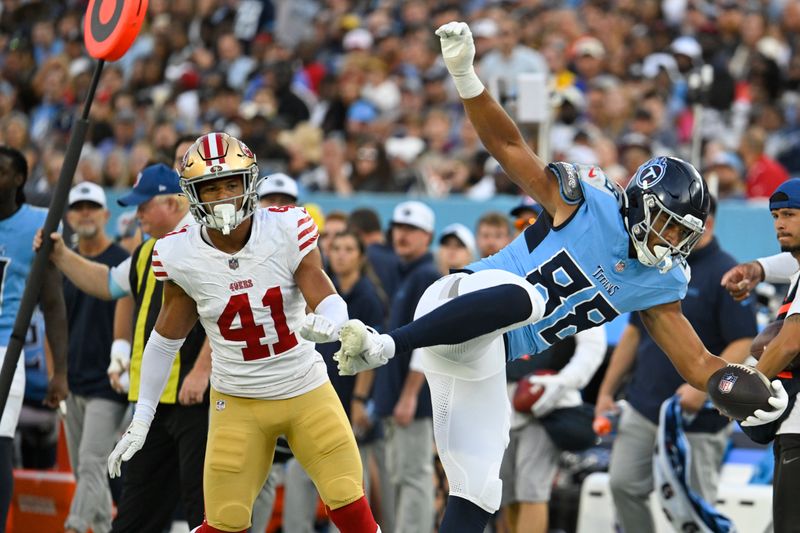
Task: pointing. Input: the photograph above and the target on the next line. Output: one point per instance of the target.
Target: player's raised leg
(486, 303)
(471, 415)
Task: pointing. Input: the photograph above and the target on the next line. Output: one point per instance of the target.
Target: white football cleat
(363, 348)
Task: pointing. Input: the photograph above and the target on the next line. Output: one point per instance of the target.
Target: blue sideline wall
(743, 228)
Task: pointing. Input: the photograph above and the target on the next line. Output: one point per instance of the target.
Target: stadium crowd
(351, 96)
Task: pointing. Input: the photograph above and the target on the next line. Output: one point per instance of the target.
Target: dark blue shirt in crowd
(415, 277)
(386, 265)
(91, 325)
(717, 319)
(362, 303)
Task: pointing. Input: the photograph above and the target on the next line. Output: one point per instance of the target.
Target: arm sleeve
(334, 308)
(778, 268)
(119, 283)
(157, 359)
(590, 350)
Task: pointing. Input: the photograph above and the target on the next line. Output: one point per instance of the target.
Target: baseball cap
(687, 46)
(414, 214)
(278, 183)
(786, 196)
(727, 159)
(527, 204)
(87, 192)
(460, 232)
(589, 46)
(361, 111)
(485, 28)
(152, 181)
(357, 39)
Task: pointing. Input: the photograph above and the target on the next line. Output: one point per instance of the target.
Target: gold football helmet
(214, 156)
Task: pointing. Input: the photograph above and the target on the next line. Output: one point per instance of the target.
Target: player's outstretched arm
(89, 276)
(495, 128)
(677, 338)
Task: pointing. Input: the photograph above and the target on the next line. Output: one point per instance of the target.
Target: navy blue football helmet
(665, 191)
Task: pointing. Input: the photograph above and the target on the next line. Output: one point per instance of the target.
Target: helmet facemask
(657, 219)
(222, 214)
(218, 156)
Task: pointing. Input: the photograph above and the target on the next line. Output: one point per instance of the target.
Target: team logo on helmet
(651, 173)
(215, 169)
(245, 150)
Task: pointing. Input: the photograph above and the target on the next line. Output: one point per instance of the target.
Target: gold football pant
(241, 443)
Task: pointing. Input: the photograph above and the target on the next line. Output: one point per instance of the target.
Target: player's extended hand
(742, 279)
(554, 388)
(458, 48)
(57, 390)
(779, 401)
(58, 244)
(130, 443)
(318, 329)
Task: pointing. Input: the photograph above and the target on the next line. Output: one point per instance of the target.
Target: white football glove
(318, 329)
(458, 52)
(554, 387)
(130, 443)
(120, 356)
(779, 401)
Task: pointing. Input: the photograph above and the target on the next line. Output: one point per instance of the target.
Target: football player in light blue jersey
(596, 251)
(18, 224)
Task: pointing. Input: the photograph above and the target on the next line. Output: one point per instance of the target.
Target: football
(765, 337)
(739, 390)
(526, 394)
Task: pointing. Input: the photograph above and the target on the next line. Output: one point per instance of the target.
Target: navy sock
(465, 317)
(463, 516)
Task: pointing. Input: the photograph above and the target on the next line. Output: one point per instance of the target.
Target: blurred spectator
(725, 170)
(763, 174)
(456, 248)
(504, 63)
(94, 410)
(371, 170)
(365, 223)
(634, 149)
(277, 189)
(335, 223)
(402, 397)
(492, 233)
(524, 214)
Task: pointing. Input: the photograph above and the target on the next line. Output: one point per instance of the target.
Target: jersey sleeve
(161, 263)
(119, 281)
(573, 178)
(300, 232)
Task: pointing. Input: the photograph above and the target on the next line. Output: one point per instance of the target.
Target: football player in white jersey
(248, 274)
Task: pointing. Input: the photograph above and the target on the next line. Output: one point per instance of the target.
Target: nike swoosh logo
(592, 172)
(787, 461)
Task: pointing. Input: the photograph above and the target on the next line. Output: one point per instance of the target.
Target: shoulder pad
(569, 182)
